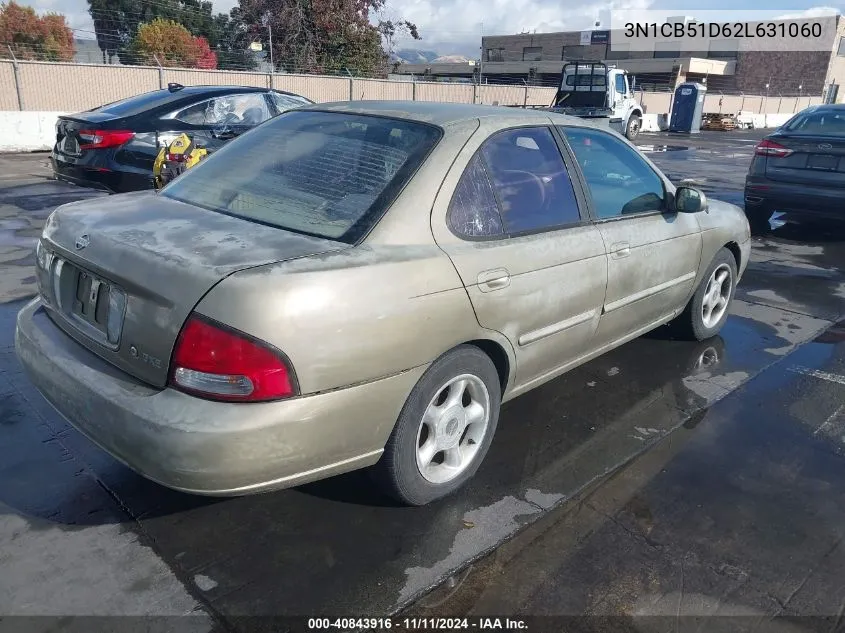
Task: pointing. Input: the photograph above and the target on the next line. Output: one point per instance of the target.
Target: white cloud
(812, 12)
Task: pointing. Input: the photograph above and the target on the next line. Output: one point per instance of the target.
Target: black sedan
(800, 169)
(113, 147)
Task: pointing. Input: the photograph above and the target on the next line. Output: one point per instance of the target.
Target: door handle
(620, 249)
(491, 280)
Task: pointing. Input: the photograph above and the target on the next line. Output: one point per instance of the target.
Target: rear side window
(328, 174)
(829, 123)
(474, 211)
(530, 186)
(530, 180)
(285, 102)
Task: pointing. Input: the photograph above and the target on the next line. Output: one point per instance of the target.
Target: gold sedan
(363, 284)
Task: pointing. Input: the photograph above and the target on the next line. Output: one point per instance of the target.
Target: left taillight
(212, 361)
(102, 139)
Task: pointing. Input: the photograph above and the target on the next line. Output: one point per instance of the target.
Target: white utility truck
(594, 90)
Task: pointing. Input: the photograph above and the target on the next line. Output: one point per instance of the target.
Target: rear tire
(707, 311)
(632, 129)
(444, 430)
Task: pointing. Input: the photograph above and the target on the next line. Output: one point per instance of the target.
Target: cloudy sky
(455, 26)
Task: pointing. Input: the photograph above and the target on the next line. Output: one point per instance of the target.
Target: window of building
(495, 54)
(663, 50)
(841, 51)
(532, 53)
(574, 52)
(723, 49)
(619, 51)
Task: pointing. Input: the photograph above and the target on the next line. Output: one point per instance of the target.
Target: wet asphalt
(665, 479)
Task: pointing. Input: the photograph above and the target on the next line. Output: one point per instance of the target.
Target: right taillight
(215, 362)
(767, 147)
(103, 139)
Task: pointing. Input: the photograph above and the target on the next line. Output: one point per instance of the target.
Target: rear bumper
(794, 199)
(112, 180)
(204, 447)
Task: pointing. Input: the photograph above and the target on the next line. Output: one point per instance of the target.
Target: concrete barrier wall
(27, 131)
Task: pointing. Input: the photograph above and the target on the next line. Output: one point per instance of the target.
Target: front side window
(619, 180)
(239, 109)
(621, 87)
(328, 174)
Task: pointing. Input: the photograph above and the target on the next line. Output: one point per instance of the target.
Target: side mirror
(690, 200)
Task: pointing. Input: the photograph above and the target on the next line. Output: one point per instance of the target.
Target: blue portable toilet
(687, 108)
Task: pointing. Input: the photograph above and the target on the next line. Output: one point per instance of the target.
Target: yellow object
(178, 156)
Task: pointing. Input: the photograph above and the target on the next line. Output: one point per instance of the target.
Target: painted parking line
(821, 375)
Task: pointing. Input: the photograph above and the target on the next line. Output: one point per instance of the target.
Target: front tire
(707, 311)
(444, 430)
(632, 129)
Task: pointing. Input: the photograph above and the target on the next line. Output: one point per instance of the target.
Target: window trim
(667, 194)
(580, 200)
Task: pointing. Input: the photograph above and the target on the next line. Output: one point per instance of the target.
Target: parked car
(113, 147)
(363, 284)
(799, 169)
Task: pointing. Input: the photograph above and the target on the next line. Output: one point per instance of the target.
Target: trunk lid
(813, 159)
(122, 274)
(68, 141)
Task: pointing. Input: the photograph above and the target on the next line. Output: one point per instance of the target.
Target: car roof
(826, 107)
(213, 89)
(438, 113)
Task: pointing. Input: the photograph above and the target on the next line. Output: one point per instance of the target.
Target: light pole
(269, 25)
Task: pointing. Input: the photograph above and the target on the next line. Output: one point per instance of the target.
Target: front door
(534, 267)
(653, 255)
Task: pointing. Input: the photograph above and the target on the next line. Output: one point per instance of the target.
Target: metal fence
(66, 87)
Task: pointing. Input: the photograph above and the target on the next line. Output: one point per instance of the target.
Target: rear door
(653, 255)
(815, 143)
(511, 221)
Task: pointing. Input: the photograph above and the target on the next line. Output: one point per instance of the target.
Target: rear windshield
(321, 173)
(586, 79)
(140, 103)
(819, 123)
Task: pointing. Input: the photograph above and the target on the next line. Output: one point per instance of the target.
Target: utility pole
(481, 61)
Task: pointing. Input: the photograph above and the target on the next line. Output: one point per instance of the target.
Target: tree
(206, 58)
(171, 44)
(32, 37)
(116, 23)
(391, 29)
(323, 35)
(58, 38)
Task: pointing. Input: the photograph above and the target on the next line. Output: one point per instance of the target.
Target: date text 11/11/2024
(748, 30)
(416, 624)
